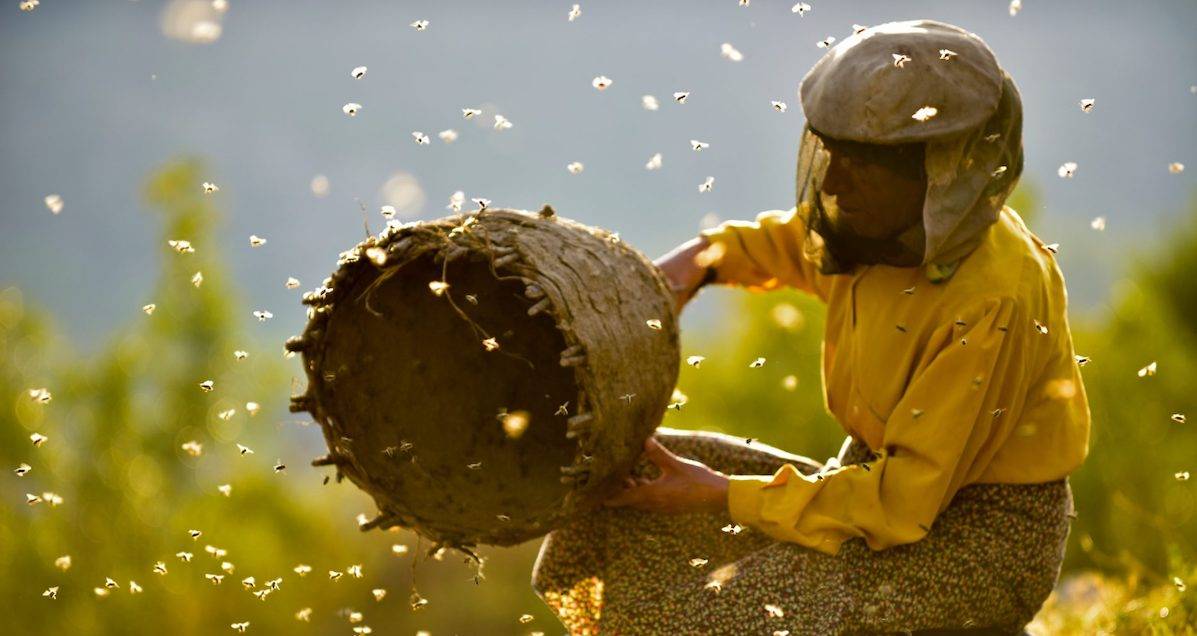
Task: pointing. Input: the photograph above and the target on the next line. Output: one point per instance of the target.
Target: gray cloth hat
(917, 82)
(860, 92)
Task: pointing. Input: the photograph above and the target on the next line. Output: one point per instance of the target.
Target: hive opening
(410, 375)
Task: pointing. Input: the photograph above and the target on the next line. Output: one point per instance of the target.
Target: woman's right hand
(685, 276)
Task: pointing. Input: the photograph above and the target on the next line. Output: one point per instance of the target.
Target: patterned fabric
(989, 562)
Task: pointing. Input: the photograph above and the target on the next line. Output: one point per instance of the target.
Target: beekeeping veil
(914, 82)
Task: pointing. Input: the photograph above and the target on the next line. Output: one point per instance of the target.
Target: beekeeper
(947, 359)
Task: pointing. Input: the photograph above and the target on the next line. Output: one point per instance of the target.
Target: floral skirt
(988, 563)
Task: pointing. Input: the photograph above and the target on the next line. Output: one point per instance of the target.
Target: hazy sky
(94, 95)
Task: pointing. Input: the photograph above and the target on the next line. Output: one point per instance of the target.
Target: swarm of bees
(513, 425)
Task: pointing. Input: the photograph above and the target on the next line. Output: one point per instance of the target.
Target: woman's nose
(834, 181)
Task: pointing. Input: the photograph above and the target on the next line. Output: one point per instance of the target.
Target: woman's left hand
(684, 485)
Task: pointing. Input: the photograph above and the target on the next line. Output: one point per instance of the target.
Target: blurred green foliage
(131, 493)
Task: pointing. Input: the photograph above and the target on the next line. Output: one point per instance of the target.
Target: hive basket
(487, 376)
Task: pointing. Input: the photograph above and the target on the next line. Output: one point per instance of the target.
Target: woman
(947, 358)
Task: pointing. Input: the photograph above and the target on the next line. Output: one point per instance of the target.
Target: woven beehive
(465, 442)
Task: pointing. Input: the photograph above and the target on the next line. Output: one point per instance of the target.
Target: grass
(1092, 603)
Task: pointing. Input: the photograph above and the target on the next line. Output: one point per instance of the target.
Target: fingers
(637, 490)
(636, 493)
(659, 455)
(631, 496)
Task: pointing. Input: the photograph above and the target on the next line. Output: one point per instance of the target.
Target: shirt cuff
(744, 498)
(729, 261)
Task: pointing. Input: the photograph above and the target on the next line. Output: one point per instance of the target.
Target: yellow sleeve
(950, 421)
(763, 254)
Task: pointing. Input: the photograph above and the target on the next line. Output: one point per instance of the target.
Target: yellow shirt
(972, 380)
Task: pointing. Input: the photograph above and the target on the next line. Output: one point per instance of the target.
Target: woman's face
(878, 190)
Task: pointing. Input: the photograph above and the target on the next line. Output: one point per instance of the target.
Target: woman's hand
(684, 274)
(684, 485)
